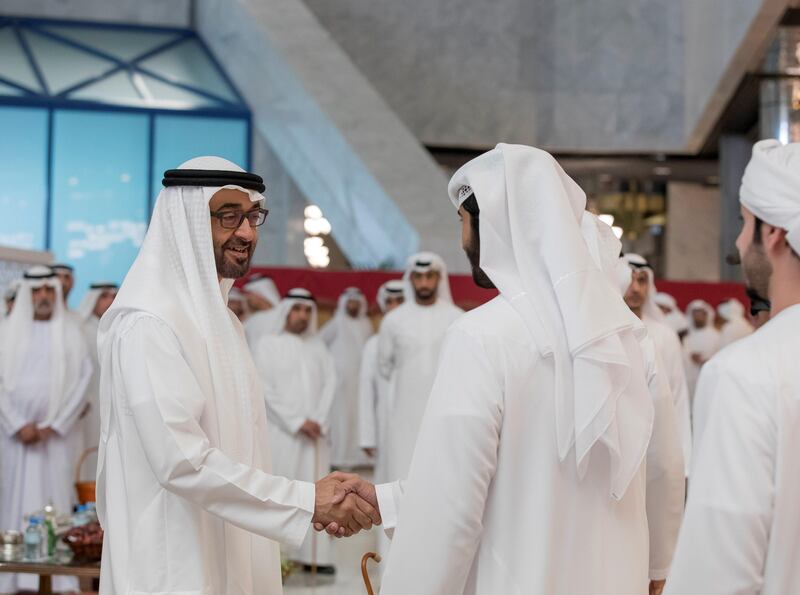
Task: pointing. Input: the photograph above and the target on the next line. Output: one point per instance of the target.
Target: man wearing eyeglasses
(185, 490)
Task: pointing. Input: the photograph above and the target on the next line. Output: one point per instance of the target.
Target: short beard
(425, 294)
(757, 269)
(232, 270)
(473, 251)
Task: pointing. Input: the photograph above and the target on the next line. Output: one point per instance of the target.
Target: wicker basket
(85, 552)
(87, 490)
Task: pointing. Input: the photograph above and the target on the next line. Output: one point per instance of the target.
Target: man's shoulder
(137, 321)
(494, 321)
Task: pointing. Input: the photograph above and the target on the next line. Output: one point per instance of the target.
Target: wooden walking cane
(365, 574)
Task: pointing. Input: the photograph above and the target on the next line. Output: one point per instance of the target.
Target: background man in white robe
(262, 298)
(700, 343)
(91, 309)
(66, 275)
(237, 303)
(44, 370)
(674, 318)
(299, 380)
(639, 296)
(409, 342)
(540, 417)
(9, 296)
(185, 490)
(374, 397)
(741, 533)
(736, 325)
(345, 335)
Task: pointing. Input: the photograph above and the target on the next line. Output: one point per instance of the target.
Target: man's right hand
(28, 434)
(311, 429)
(343, 506)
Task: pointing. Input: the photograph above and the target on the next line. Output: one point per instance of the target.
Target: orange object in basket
(87, 490)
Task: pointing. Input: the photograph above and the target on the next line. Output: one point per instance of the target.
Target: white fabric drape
(570, 307)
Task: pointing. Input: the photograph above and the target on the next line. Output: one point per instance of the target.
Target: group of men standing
(49, 405)
(539, 443)
(345, 397)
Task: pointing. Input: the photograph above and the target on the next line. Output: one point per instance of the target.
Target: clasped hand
(345, 504)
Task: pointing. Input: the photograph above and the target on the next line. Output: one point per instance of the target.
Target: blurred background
(356, 113)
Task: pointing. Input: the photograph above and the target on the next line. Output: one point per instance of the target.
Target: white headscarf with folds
(533, 250)
(279, 314)
(771, 187)
(174, 278)
(89, 301)
(650, 308)
(67, 342)
(422, 262)
(264, 287)
(387, 290)
(700, 305)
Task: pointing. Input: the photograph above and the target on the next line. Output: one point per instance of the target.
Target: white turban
(771, 187)
(533, 250)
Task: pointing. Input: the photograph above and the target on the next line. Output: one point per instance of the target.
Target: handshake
(345, 504)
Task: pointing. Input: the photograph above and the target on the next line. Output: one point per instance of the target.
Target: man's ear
(774, 238)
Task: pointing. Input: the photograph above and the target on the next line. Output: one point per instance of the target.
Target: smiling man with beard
(741, 532)
(185, 490)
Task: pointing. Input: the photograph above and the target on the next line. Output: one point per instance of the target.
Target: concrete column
(692, 241)
(734, 153)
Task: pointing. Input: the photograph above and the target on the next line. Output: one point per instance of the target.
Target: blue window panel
(99, 193)
(23, 171)
(188, 63)
(164, 95)
(14, 65)
(120, 43)
(64, 66)
(116, 89)
(9, 90)
(180, 138)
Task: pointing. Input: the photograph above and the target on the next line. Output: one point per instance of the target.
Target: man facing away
(299, 380)
(741, 533)
(540, 418)
(185, 490)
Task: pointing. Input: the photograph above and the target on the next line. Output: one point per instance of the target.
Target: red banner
(327, 285)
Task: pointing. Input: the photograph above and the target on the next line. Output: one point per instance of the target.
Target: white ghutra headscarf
(174, 278)
(533, 250)
(422, 262)
(68, 347)
(392, 288)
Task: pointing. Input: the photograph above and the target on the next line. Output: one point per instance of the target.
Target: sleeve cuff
(306, 501)
(387, 505)
(659, 575)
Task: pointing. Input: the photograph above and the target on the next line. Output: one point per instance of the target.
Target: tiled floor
(347, 553)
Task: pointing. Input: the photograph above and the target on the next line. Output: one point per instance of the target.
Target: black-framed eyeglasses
(234, 219)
